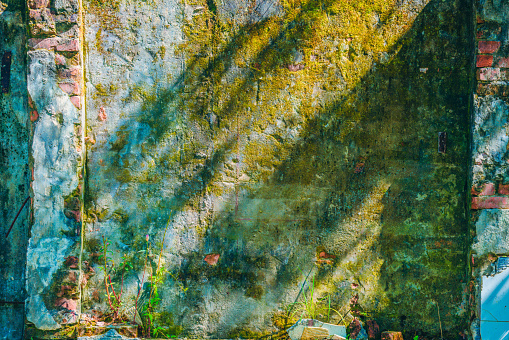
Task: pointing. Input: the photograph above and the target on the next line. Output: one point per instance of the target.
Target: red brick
(60, 59)
(35, 14)
(48, 43)
(489, 74)
(36, 4)
(67, 304)
(102, 116)
(72, 88)
(71, 45)
(484, 61)
(76, 100)
(71, 262)
(486, 189)
(488, 46)
(503, 189)
(42, 14)
(34, 41)
(34, 115)
(490, 202)
(73, 73)
(211, 259)
(503, 63)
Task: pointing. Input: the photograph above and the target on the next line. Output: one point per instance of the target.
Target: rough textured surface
(54, 236)
(490, 173)
(304, 141)
(54, 79)
(245, 158)
(492, 232)
(14, 171)
(490, 139)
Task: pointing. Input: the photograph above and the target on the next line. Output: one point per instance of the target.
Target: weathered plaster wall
(490, 164)
(14, 168)
(54, 87)
(298, 138)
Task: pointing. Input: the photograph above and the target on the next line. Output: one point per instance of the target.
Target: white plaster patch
(46, 257)
(43, 260)
(38, 314)
(492, 232)
(55, 174)
(490, 133)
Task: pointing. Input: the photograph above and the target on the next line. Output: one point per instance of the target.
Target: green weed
(114, 296)
(312, 307)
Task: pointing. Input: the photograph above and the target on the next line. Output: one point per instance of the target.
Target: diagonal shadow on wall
(362, 181)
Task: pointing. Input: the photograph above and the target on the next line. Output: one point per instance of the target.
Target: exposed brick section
(490, 202)
(36, 4)
(76, 101)
(41, 22)
(503, 62)
(488, 46)
(486, 189)
(60, 59)
(72, 88)
(65, 47)
(503, 189)
(48, 43)
(72, 73)
(34, 115)
(490, 74)
(484, 61)
(32, 42)
(71, 45)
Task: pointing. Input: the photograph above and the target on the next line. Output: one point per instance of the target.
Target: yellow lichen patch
(261, 158)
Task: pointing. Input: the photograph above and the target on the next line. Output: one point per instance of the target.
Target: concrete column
(57, 154)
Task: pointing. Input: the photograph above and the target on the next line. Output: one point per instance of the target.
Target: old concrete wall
(14, 169)
(242, 147)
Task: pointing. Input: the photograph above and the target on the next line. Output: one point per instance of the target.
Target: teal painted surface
(14, 174)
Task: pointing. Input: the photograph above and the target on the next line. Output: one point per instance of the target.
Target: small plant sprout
(313, 307)
(114, 296)
(140, 286)
(155, 280)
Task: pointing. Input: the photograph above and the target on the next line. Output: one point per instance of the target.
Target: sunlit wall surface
(243, 155)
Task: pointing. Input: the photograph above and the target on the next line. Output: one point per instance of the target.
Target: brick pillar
(55, 86)
(490, 161)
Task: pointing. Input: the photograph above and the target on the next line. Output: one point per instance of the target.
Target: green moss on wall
(313, 128)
